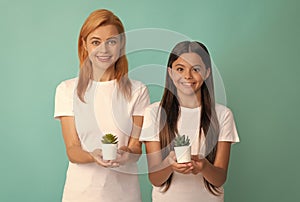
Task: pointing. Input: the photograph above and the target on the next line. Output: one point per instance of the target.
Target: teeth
(187, 84)
(103, 58)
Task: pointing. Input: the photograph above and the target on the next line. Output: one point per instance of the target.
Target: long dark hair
(171, 109)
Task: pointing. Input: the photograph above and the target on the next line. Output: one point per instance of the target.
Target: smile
(187, 83)
(104, 58)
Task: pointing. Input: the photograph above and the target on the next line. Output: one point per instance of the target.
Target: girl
(101, 100)
(188, 108)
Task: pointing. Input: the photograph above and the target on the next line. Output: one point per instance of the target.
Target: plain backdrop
(255, 45)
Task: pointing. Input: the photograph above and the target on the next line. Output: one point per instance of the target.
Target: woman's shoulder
(137, 84)
(68, 84)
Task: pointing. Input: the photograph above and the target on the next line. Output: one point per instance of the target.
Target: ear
(207, 73)
(170, 72)
(122, 43)
(84, 44)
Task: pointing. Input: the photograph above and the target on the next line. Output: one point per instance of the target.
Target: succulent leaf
(181, 140)
(109, 139)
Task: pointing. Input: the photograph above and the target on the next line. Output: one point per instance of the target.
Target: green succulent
(181, 140)
(109, 139)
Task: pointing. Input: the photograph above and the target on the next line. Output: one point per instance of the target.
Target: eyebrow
(181, 65)
(113, 37)
(198, 65)
(97, 38)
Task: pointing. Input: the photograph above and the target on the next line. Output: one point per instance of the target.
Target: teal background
(255, 45)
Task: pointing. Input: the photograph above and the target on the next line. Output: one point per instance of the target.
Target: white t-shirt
(189, 187)
(104, 111)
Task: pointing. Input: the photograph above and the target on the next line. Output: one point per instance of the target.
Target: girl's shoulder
(223, 112)
(221, 108)
(153, 107)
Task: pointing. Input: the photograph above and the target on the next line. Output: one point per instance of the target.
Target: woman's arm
(134, 144)
(73, 147)
(216, 173)
(132, 152)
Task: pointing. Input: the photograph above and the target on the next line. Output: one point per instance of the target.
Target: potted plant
(182, 148)
(109, 146)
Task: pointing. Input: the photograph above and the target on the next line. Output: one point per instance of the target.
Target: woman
(101, 100)
(188, 108)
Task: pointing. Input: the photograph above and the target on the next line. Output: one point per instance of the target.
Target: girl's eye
(111, 42)
(179, 69)
(96, 43)
(197, 68)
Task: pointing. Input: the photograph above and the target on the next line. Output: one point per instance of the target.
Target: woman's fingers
(98, 157)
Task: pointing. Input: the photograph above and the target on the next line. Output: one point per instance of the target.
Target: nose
(187, 74)
(102, 48)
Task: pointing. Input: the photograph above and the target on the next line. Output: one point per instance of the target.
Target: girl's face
(188, 73)
(103, 46)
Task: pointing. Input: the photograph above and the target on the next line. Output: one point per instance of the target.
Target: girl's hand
(98, 158)
(198, 164)
(184, 168)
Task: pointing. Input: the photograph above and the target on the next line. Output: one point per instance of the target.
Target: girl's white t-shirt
(188, 187)
(105, 111)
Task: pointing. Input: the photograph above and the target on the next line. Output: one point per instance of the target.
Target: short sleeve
(228, 131)
(150, 129)
(142, 101)
(64, 99)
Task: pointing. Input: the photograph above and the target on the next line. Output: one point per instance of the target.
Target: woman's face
(188, 73)
(103, 46)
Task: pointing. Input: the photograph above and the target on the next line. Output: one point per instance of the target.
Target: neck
(190, 101)
(104, 75)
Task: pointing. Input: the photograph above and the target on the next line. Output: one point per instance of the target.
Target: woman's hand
(98, 158)
(123, 155)
(184, 168)
(198, 163)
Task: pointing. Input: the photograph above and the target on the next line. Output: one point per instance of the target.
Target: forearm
(134, 153)
(77, 155)
(214, 175)
(160, 174)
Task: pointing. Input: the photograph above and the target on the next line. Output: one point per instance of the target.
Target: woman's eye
(111, 42)
(95, 43)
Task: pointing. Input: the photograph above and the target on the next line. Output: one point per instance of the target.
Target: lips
(105, 58)
(187, 83)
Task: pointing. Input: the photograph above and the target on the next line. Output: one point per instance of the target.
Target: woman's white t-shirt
(105, 111)
(188, 187)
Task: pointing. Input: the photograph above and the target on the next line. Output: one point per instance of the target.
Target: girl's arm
(216, 173)
(160, 170)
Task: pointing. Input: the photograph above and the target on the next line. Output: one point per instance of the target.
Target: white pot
(183, 154)
(109, 151)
